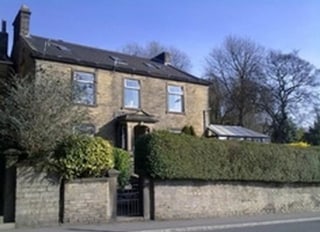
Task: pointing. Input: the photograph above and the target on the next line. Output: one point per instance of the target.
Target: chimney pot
(24, 8)
(3, 41)
(3, 26)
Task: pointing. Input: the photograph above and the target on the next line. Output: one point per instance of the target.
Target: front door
(139, 131)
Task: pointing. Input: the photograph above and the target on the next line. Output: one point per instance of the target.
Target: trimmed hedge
(166, 155)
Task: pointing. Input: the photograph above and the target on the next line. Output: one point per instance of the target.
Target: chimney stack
(21, 23)
(3, 41)
(3, 26)
(162, 58)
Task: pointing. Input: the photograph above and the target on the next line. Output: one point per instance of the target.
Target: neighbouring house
(127, 95)
(226, 132)
(5, 61)
(5, 67)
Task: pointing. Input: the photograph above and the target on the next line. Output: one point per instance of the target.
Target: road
(295, 222)
(309, 226)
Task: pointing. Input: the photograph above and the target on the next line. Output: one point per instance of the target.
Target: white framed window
(84, 128)
(175, 99)
(84, 88)
(131, 93)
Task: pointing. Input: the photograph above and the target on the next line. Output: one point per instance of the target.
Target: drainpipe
(206, 119)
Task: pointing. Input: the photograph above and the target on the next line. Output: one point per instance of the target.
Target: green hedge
(83, 156)
(166, 155)
(123, 163)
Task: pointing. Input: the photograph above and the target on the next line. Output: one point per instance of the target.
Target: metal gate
(129, 202)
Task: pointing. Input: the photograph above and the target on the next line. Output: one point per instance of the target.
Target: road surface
(307, 226)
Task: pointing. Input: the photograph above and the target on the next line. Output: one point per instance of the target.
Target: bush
(169, 156)
(83, 156)
(123, 163)
(300, 144)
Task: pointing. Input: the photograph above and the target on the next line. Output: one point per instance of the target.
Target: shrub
(83, 156)
(123, 163)
(169, 156)
(300, 144)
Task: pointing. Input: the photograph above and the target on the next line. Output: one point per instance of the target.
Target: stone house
(127, 95)
(5, 61)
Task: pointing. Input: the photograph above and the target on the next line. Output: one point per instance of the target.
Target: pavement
(208, 224)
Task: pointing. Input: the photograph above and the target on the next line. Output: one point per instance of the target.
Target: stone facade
(192, 199)
(87, 201)
(37, 198)
(153, 96)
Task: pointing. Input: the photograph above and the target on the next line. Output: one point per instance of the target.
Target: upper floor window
(175, 99)
(131, 93)
(84, 88)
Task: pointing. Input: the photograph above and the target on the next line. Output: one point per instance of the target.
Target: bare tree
(36, 113)
(179, 59)
(235, 69)
(291, 84)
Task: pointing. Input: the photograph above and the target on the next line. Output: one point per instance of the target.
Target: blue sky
(193, 26)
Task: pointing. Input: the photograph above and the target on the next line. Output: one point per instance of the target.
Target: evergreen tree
(313, 135)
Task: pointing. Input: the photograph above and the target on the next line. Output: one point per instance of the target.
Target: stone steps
(7, 226)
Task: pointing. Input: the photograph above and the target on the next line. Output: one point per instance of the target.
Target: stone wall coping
(88, 180)
(193, 182)
(113, 173)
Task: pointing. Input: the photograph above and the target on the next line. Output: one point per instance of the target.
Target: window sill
(86, 105)
(130, 108)
(175, 113)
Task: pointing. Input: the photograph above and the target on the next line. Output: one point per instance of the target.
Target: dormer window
(57, 46)
(152, 66)
(117, 60)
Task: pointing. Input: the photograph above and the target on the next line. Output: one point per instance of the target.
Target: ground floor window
(85, 128)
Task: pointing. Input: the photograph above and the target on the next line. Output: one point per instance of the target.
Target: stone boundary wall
(87, 201)
(37, 198)
(200, 199)
(41, 200)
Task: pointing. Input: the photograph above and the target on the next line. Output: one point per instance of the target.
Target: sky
(193, 26)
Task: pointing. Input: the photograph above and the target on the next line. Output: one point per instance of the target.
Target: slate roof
(61, 51)
(235, 131)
